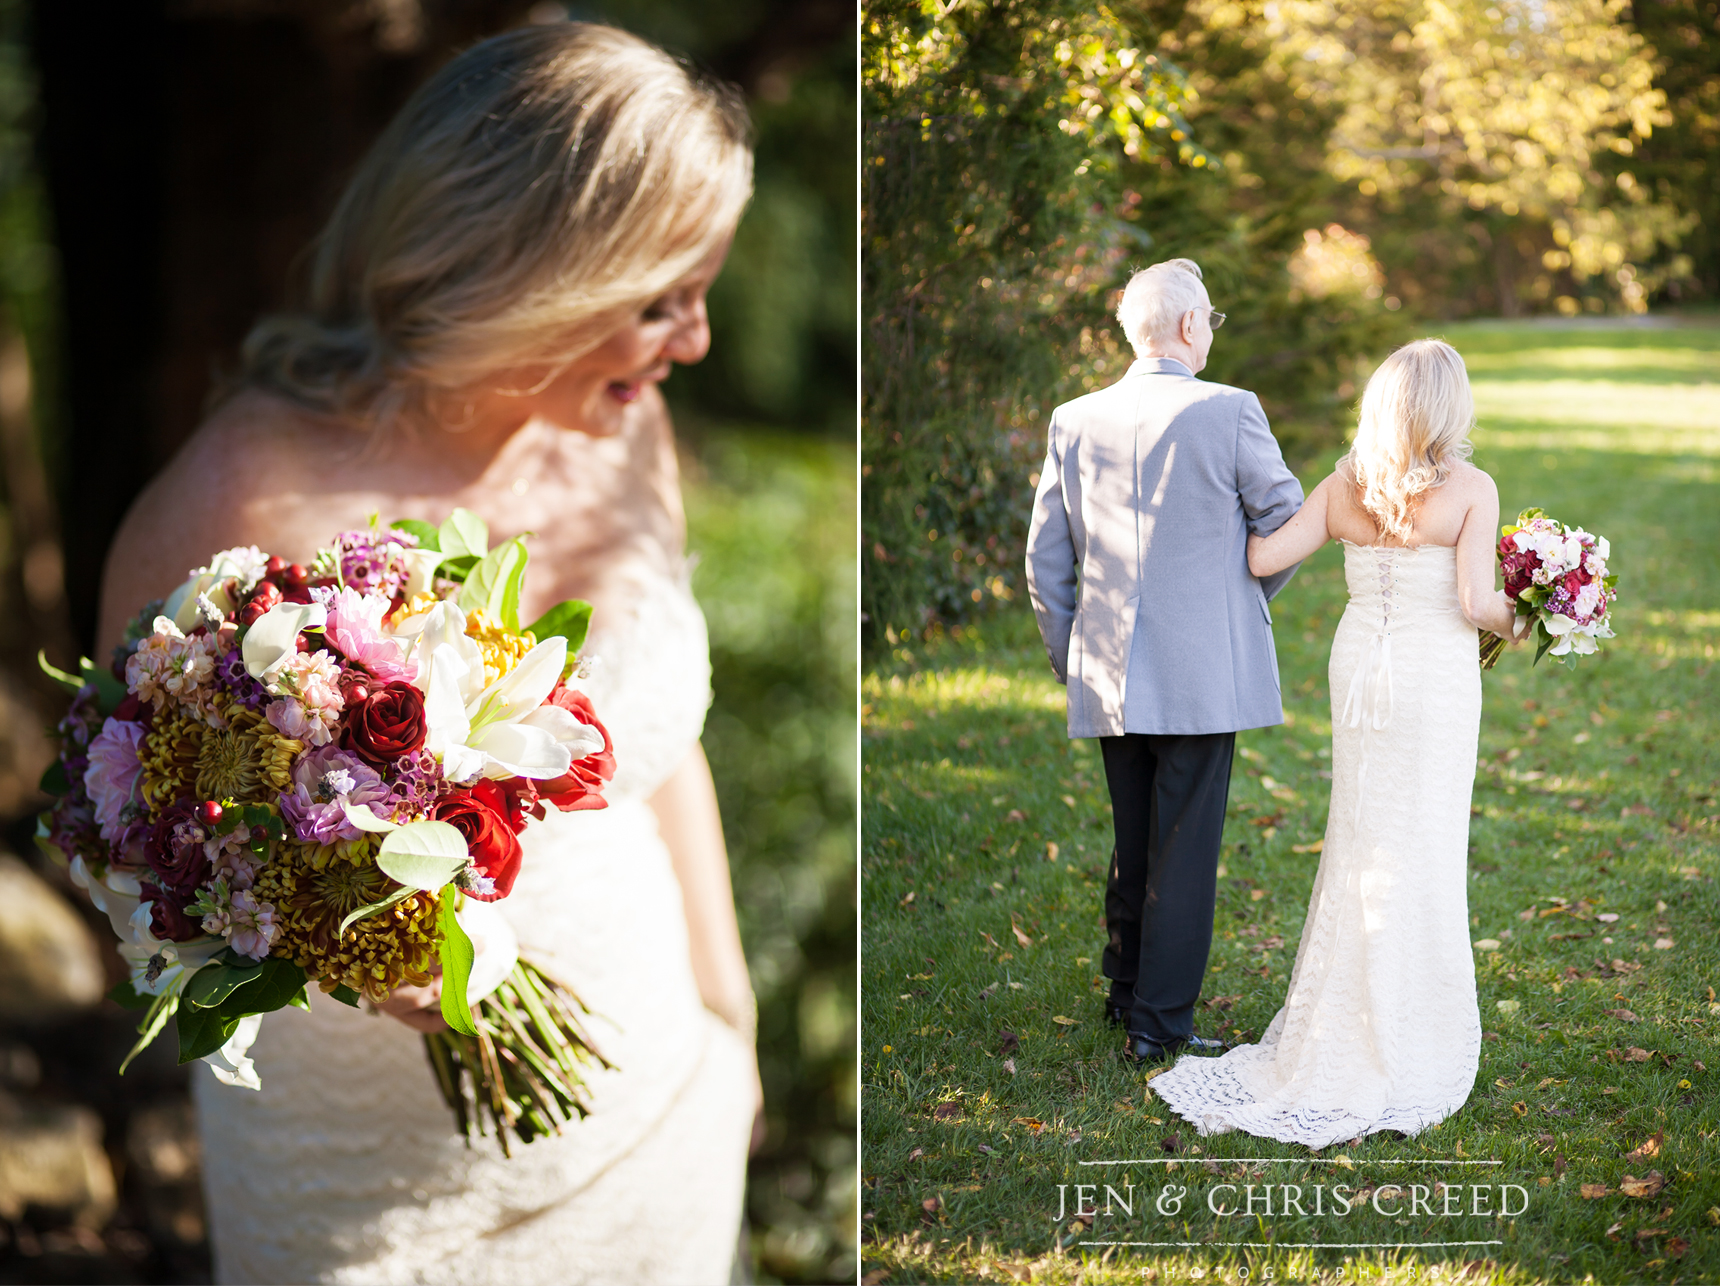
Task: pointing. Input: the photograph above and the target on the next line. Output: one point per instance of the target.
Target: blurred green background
(161, 166)
(1348, 175)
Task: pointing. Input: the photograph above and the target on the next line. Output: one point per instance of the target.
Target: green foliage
(1020, 159)
(457, 956)
(570, 619)
(771, 520)
(1594, 795)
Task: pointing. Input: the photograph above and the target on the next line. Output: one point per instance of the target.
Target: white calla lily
(274, 639)
(178, 960)
(230, 1064)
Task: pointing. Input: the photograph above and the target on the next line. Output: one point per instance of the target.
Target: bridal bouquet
(298, 775)
(1558, 575)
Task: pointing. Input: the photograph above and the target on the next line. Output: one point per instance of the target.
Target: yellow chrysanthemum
(314, 886)
(247, 760)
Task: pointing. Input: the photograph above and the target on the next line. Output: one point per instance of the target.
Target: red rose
(174, 850)
(388, 723)
(581, 786)
(483, 815)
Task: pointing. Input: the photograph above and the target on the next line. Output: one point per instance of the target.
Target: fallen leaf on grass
(907, 901)
(1008, 1042)
(988, 992)
(1015, 815)
(1623, 1015)
(1020, 937)
(1033, 1123)
(1254, 895)
(1677, 1247)
(1017, 1272)
(1317, 846)
(1592, 1190)
(930, 1207)
(1650, 1147)
(1643, 1234)
(876, 1277)
(1220, 1002)
(1487, 944)
(1649, 1185)
(1171, 1143)
(1009, 1066)
(1061, 1021)
(1635, 1055)
(946, 1111)
(1664, 944)
(1608, 917)
(990, 941)
(1508, 1006)
(1559, 1166)
(916, 1154)
(1051, 852)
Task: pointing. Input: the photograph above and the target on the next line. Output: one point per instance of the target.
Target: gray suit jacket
(1149, 489)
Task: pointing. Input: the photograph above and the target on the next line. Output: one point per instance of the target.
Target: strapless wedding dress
(1380, 1029)
(346, 1167)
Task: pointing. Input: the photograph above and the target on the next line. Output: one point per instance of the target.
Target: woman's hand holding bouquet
(297, 775)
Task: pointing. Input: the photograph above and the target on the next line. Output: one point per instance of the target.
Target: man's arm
(1051, 562)
(1270, 492)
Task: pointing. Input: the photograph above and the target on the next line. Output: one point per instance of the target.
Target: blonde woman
(1380, 1029)
(518, 263)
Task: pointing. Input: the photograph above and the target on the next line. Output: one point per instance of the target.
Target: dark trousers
(1167, 798)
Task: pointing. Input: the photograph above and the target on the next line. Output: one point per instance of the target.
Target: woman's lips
(624, 392)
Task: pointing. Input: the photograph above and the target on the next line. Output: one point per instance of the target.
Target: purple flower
(231, 675)
(371, 562)
(324, 780)
(112, 777)
(418, 785)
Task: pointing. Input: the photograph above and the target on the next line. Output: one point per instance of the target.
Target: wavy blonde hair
(537, 190)
(1416, 416)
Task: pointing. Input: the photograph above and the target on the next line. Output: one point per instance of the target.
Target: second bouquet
(294, 775)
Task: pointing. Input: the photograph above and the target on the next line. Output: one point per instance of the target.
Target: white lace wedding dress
(346, 1166)
(1380, 1029)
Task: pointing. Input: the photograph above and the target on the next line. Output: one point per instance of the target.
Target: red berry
(209, 812)
(296, 574)
(275, 566)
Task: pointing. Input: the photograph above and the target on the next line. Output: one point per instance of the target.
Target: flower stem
(525, 1069)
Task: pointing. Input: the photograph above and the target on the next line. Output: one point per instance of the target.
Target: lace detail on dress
(1380, 1029)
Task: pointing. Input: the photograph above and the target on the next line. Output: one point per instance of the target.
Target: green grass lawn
(988, 1073)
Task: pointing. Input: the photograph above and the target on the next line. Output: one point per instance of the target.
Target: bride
(1380, 1029)
(517, 264)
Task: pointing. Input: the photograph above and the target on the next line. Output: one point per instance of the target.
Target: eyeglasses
(1215, 319)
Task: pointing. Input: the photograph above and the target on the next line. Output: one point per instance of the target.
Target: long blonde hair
(531, 194)
(1416, 416)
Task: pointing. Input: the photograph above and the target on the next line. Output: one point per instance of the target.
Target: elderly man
(1137, 563)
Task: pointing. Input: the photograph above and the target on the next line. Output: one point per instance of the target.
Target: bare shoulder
(229, 484)
(1472, 484)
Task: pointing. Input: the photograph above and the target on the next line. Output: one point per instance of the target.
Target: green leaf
(570, 619)
(70, 682)
(428, 536)
(346, 995)
(127, 996)
(54, 780)
(457, 569)
(365, 912)
(281, 983)
(214, 982)
(161, 1009)
(464, 533)
(422, 855)
(1543, 641)
(109, 690)
(457, 957)
(203, 1031)
(494, 584)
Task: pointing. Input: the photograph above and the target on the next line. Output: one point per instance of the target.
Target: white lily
(115, 895)
(178, 960)
(503, 730)
(274, 639)
(230, 1064)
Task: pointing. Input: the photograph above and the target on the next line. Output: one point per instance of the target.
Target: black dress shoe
(1144, 1049)
(1115, 1014)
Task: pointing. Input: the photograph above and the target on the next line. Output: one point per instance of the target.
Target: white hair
(1416, 416)
(1156, 300)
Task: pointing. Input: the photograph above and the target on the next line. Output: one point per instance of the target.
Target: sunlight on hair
(1417, 413)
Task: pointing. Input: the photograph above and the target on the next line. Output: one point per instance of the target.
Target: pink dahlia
(112, 778)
